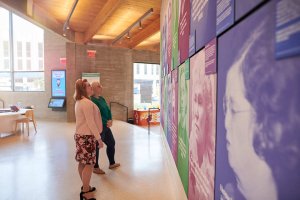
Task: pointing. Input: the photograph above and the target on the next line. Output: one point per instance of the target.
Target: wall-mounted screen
(58, 82)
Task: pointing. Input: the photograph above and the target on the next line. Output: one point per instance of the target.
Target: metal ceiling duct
(66, 24)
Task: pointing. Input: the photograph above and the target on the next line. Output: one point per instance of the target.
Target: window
(28, 65)
(20, 64)
(5, 49)
(137, 69)
(145, 69)
(5, 81)
(41, 56)
(40, 49)
(41, 65)
(19, 49)
(23, 68)
(6, 64)
(28, 50)
(157, 69)
(152, 69)
(25, 81)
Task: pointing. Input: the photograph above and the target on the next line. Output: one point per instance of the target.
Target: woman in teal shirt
(106, 135)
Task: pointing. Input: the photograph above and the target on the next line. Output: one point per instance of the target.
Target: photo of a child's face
(58, 82)
(202, 133)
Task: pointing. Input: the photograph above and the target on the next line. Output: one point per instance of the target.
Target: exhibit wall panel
(175, 23)
(258, 117)
(184, 30)
(183, 126)
(173, 109)
(238, 134)
(202, 23)
(202, 122)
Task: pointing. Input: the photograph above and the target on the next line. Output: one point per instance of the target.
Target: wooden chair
(29, 117)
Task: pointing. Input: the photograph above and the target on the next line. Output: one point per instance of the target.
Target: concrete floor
(42, 166)
(153, 129)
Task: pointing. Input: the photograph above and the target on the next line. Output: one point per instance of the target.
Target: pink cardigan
(88, 118)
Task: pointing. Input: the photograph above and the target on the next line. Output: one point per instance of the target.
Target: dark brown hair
(80, 91)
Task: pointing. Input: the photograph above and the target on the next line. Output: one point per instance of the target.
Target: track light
(66, 24)
(138, 23)
(128, 36)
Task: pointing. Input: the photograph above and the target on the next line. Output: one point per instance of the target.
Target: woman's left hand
(109, 123)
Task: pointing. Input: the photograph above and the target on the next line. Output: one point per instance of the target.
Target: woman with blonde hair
(88, 127)
(106, 134)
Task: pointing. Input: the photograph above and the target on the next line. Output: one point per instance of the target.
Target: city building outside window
(146, 89)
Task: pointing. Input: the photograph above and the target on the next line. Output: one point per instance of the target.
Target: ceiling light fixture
(140, 25)
(138, 22)
(128, 35)
(66, 24)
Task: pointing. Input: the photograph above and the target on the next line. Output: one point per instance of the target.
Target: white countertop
(20, 112)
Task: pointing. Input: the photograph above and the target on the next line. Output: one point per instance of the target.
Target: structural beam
(44, 18)
(145, 33)
(100, 19)
(20, 5)
(30, 7)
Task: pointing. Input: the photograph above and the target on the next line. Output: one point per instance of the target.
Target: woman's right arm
(89, 116)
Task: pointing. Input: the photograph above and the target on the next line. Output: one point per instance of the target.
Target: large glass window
(23, 68)
(25, 81)
(5, 75)
(5, 81)
(146, 89)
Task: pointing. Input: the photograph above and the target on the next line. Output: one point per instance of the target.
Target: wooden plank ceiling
(101, 21)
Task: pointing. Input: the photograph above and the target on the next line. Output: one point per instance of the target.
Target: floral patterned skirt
(85, 149)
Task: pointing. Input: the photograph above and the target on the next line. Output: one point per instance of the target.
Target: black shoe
(92, 189)
(83, 198)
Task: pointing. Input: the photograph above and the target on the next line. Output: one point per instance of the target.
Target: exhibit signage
(58, 83)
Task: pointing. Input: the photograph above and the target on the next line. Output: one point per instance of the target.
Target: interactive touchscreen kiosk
(58, 90)
(56, 103)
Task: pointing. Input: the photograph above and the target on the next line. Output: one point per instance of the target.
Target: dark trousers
(109, 140)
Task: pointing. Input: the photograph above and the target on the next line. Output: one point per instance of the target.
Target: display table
(140, 117)
(8, 120)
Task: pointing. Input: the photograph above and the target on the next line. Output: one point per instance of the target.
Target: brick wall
(115, 66)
